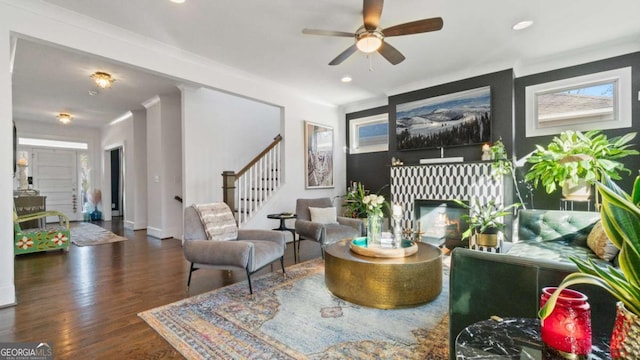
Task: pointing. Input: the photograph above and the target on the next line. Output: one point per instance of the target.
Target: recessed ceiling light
(522, 25)
(346, 79)
(178, 1)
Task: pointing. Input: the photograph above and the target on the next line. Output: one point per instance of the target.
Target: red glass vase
(568, 328)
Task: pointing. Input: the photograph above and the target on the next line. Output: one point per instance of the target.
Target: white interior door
(55, 175)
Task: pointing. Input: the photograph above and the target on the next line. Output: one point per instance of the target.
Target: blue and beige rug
(296, 317)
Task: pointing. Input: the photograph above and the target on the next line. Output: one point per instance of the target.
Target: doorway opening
(117, 182)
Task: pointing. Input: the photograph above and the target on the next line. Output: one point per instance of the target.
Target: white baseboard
(159, 233)
(7, 296)
(129, 225)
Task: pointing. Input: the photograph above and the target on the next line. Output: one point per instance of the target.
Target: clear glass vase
(374, 230)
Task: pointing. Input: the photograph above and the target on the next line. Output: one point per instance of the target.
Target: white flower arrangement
(374, 204)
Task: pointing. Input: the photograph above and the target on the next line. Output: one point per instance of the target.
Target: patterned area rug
(296, 317)
(86, 234)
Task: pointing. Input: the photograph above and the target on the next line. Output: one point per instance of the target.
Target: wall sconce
(103, 80)
(64, 118)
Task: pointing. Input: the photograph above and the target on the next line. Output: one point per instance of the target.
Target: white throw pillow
(324, 215)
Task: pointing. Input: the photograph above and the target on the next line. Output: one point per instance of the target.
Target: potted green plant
(354, 204)
(503, 166)
(485, 220)
(621, 221)
(574, 160)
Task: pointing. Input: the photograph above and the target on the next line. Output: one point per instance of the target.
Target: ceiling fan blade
(391, 54)
(327, 33)
(371, 11)
(344, 55)
(414, 27)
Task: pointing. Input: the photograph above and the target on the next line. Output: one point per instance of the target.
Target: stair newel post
(229, 189)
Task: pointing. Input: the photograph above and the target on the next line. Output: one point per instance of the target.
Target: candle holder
(22, 177)
(566, 332)
(397, 216)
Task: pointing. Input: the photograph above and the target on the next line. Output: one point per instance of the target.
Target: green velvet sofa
(509, 284)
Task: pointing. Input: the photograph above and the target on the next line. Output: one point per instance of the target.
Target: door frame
(106, 178)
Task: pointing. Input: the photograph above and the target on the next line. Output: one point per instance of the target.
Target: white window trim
(622, 103)
(53, 143)
(354, 124)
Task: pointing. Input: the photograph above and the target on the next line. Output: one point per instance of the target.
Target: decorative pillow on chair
(323, 215)
(599, 243)
(218, 221)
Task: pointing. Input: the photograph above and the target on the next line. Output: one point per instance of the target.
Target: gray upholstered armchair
(213, 240)
(328, 231)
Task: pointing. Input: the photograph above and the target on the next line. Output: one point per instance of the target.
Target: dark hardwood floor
(85, 303)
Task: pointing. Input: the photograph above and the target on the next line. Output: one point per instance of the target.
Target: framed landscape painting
(461, 118)
(318, 144)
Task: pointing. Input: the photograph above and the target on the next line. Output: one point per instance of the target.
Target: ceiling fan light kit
(369, 41)
(370, 38)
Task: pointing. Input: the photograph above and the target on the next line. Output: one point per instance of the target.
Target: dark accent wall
(372, 169)
(524, 145)
(508, 122)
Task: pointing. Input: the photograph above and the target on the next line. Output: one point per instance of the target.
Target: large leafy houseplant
(621, 221)
(574, 155)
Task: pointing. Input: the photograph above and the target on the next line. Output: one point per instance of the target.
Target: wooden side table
(283, 227)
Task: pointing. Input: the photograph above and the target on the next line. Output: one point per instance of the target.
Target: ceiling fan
(370, 38)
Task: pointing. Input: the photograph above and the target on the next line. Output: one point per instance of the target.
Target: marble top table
(513, 338)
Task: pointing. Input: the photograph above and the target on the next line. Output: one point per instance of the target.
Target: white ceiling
(264, 38)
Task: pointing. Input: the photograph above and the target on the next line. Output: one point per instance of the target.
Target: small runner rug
(86, 234)
(296, 317)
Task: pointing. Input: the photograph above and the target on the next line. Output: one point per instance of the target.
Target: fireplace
(465, 181)
(440, 222)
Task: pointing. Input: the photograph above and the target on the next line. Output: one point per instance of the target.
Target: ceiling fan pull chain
(370, 63)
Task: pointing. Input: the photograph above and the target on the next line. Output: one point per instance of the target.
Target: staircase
(249, 189)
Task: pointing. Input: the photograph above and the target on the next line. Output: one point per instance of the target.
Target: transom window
(596, 101)
(369, 134)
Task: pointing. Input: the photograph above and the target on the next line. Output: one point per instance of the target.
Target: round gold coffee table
(383, 283)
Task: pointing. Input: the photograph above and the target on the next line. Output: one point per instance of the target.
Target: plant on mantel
(574, 156)
(503, 166)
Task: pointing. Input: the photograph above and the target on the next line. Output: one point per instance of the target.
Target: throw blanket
(218, 221)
